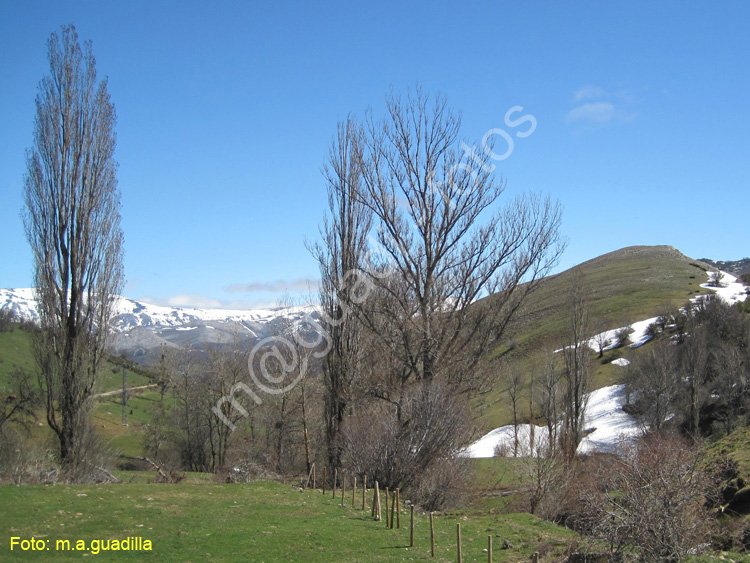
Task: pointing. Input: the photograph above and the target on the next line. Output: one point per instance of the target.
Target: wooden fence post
(376, 502)
(393, 508)
(489, 549)
(411, 534)
(335, 478)
(458, 542)
(310, 476)
(315, 486)
(354, 491)
(364, 493)
(343, 489)
(398, 508)
(325, 478)
(386, 506)
(432, 535)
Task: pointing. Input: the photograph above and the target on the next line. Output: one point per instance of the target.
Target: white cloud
(588, 93)
(197, 301)
(200, 302)
(593, 112)
(300, 284)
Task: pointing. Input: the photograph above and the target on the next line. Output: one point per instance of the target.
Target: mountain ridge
(141, 329)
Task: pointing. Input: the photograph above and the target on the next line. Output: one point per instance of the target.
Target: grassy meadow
(266, 521)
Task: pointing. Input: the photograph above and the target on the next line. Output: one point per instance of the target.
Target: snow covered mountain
(142, 329)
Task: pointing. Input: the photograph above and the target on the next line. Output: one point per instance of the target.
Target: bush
(611, 357)
(653, 330)
(8, 320)
(416, 451)
(651, 501)
(621, 336)
(24, 460)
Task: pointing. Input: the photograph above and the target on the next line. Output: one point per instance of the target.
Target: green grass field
(265, 521)
(16, 352)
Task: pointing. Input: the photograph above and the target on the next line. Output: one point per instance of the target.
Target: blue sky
(226, 111)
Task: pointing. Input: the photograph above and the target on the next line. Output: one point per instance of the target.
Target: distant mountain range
(734, 267)
(142, 329)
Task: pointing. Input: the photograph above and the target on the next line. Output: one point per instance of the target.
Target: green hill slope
(16, 353)
(624, 286)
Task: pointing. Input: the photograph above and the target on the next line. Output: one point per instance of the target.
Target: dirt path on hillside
(129, 389)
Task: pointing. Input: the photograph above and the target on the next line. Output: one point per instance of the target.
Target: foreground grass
(257, 522)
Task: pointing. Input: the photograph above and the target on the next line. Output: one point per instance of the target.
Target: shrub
(414, 449)
(621, 336)
(651, 501)
(8, 320)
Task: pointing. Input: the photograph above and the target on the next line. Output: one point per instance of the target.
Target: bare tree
(602, 338)
(548, 398)
(441, 243)
(540, 473)
(694, 356)
(72, 222)
(655, 381)
(190, 386)
(340, 257)
(227, 366)
(444, 242)
(576, 373)
(515, 385)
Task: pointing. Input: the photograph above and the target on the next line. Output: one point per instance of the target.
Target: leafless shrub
(8, 320)
(447, 482)
(621, 336)
(24, 460)
(650, 501)
(246, 471)
(417, 453)
(96, 458)
(541, 475)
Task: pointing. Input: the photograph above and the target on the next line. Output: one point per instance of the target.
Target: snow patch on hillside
(606, 426)
(606, 423)
(503, 438)
(731, 291)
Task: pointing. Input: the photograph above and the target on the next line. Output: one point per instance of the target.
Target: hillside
(624, 286)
